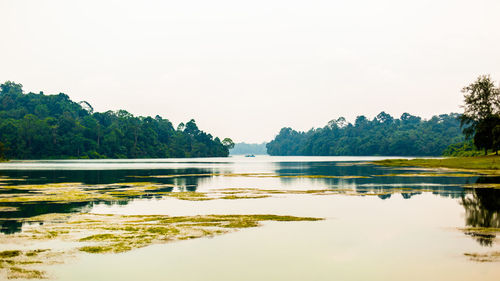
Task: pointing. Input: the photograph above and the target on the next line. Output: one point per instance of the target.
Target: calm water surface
(390, 236)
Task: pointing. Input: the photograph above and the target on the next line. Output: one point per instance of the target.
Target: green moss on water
(189, 195)
(162, 230)
(483, 185)
(35, 252)
(484, 257)
(482, 229)
(96, 249)
(23, 273)
(244, 196)
(449, 175)
(99, 237)
(10, 254)
(107, 234)
(16, 264)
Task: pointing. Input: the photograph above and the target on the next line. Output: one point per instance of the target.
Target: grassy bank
(481, 164)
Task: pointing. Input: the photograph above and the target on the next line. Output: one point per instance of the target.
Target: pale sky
(245, 69)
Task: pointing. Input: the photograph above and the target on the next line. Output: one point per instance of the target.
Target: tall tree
(228, 143)
(481, 112)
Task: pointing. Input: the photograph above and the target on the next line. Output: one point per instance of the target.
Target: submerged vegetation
(66, 192)
(97, 234)
(39, 126)
(484, 257)
(26, 252)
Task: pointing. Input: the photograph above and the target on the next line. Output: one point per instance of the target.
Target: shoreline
(485, 165)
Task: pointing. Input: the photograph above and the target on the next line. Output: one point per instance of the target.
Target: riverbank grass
(480, 164)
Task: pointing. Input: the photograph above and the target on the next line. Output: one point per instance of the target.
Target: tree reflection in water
(482, 210)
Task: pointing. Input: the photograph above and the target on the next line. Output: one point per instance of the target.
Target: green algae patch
(483, 235)
(271, 175)
(254, 175)
(488, 165)
(247, 193)
(481, 229)
(108, 234)
(484, 257)
(481, 232)
(172, 176)
(22, 273)
(483, 185)
(451, 175)
(10, 254)
(17, 264)
(78, 192)
(99, 237)
(244, 196)
(189, 195)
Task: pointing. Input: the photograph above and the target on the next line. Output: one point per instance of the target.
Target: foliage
(38, 126)
(384, 135)
(228, 143)
(482, 113)
(2, 156)
(481, 164)
(462, 149)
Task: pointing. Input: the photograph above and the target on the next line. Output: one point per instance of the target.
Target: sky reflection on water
(428, 213)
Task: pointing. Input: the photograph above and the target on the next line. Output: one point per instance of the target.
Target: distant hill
(248, 148)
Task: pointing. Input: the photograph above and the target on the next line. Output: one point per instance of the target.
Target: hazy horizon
(245, 70)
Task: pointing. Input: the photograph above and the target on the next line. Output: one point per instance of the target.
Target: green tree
(228, 143)
(383, 135)
(38, 126)
(10, 87)
(2, 155)
(481, 111)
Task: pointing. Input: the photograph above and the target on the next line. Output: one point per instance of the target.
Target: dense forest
(384, 135)
(39, 126)
(242, 148)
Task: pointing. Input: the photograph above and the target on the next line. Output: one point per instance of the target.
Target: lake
(374, 222)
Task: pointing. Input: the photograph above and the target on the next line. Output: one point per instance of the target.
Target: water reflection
(482, 206)
(9, 220)
(482, 209)
(379, 179)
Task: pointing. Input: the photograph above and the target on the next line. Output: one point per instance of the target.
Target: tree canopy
(39, 126)
(384, 135)
(481, 118)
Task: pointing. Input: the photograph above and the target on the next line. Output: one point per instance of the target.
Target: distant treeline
(384, 135)
(38, 126)
(248, 148)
